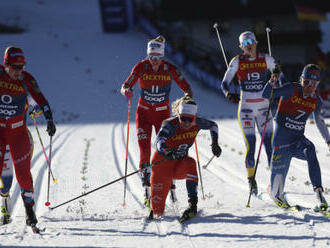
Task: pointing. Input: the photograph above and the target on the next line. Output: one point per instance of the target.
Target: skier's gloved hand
(35, 112)
(276, 72)
(216, 149)
(233, 97)
(173, 154)
(277, 69)
(51, 129)
(329, 145)
(126, 91)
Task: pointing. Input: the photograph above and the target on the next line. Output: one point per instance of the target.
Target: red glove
(128, 93)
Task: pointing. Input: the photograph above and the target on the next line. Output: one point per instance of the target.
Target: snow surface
(80, 70)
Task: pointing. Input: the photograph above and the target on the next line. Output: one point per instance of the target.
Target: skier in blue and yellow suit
(252, 69)
(297, 102)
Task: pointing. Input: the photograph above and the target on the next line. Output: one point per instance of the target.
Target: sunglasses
(187, 119)
(307, 82)
(17, 67)
(247, 42)
(155, 57)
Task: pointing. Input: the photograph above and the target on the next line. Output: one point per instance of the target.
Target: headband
(188, 109)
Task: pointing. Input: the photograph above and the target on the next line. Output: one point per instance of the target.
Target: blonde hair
(183, 100)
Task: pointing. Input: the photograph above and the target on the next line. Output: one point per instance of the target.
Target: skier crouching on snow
(298, 101)
(15, 86)
(171, 160)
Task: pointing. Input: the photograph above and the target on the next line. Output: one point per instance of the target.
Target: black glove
(51, 129)
(234, 98)
(273, 81)
(216, 149)
(277, 69)
(174, 154)
(329, 145)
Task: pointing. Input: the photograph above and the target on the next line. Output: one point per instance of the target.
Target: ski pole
(207, 164)
(47, 203)
(172, 191)
(105, 185)
(199, 170)
(268, 41)
(127, 140)
(264, 131)
(42, 146)
(216, 27)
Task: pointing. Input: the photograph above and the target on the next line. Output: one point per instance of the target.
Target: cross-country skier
(15, 86)
(8, 174)
(154, 75)
(7, 180)
(297, 102)
(252, 69)
(171, 160)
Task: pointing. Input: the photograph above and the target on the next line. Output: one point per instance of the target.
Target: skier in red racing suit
(15, 87)
(154, 75)
(171, 160)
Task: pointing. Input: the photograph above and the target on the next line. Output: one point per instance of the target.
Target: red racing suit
(153, 106)
(172, 135)
(13, 130)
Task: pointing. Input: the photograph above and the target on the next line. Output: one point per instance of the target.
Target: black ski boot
(151, 215)
(253, 185)
(31, 219)
(191, 211)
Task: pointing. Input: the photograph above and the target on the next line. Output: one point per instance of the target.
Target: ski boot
(5, 209)
(281, 202)
(31, 219)
(191, 211)
(253, 185)
(151, 215)
(146, 201)
(323, 205)
(145, 178)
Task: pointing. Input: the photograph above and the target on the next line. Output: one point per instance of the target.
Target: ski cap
(14, 55)
(156, 46)
(311, 71)
(245, 36)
